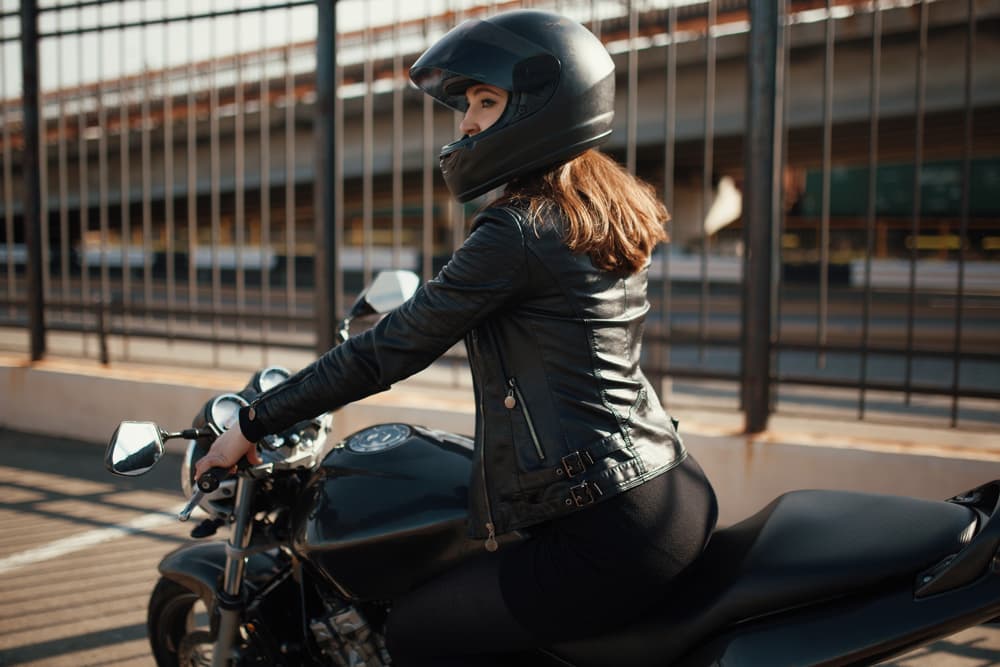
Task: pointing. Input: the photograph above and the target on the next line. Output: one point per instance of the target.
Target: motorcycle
(323, 536)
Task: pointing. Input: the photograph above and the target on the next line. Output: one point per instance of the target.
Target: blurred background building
(192, 171)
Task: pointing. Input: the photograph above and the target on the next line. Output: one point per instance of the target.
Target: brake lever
(210, 480)
(185, 512)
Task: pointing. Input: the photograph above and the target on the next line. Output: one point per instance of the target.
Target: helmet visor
(478, 51)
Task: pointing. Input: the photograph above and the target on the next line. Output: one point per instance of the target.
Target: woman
(573, 449)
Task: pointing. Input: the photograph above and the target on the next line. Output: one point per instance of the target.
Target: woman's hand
(229, 448)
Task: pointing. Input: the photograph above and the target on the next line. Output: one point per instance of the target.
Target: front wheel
(178, 626)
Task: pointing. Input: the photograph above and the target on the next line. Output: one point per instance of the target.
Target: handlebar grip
(210, 479)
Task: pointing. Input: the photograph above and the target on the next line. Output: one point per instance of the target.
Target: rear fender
(199, 568)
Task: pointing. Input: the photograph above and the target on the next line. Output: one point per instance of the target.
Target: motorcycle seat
(803, 548)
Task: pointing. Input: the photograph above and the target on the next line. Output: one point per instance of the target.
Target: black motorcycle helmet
(561, 82)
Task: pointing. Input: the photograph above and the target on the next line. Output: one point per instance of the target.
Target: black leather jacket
(564, 415)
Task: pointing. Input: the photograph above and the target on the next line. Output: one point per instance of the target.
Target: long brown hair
(611, 215)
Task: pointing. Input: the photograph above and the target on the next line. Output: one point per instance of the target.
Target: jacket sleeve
(481, 277)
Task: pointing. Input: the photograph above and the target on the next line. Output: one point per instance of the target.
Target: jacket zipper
(491, 532)
(513, 398)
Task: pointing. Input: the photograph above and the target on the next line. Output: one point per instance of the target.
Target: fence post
(32, 177)
(761, 157)
(101, 310)
(327, 174)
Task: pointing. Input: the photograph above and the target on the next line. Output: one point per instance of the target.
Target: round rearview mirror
(135, 447)
(391, 289)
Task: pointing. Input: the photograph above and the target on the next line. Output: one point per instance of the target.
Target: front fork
(230, 599)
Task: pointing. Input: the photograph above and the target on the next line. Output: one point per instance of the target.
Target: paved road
(78, 603)
(79, 548)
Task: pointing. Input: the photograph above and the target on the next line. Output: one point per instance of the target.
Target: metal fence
(231, 174)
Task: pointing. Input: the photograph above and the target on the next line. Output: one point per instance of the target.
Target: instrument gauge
(224, 411)
(270, 377)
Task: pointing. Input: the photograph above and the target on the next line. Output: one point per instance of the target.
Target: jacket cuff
(252, 429)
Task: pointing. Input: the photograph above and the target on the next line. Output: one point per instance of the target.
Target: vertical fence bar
(239, 176)
(823, 243)
(147, 177)
(168, 183)
(103, 196)
(215, 195)
(870, 221)
(707, 168)
(191, 172)
(125, 187)
(669, 144)
(633, 87)
(398, 79)
(264, 95)
(63, 170)
(918, 163)
(291, 252)
(427, 172)
(328, 283)
(763, 93)
(84, 221)
(368, 149)
(338, 212)
(963, 235)
(32, 179)
(8, 187)
(781, 78)
(43, 199)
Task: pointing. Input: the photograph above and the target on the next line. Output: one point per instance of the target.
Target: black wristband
(252, 429)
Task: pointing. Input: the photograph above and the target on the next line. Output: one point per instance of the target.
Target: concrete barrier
(83, 400)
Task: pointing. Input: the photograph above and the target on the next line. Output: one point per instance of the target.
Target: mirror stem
(188, 434)
(344, 331)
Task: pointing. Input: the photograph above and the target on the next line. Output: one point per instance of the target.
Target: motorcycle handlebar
(209, 480)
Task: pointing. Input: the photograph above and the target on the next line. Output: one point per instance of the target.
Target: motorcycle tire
(170, 624)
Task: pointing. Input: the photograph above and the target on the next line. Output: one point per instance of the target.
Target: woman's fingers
(226, 451)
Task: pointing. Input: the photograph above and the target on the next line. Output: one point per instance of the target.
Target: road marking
(83, 540)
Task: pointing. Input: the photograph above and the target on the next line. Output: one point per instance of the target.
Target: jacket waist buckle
(575, 463)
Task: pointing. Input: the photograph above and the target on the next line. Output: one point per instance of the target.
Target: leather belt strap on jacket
(574, 463)
(585, 493)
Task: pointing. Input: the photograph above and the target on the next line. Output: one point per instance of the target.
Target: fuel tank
(387, 510)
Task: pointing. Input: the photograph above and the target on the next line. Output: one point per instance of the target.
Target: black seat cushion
(804, 547)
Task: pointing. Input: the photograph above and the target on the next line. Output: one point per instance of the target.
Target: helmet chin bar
(474, 166)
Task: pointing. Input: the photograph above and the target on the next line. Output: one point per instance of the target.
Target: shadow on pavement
(82, 460)
(58, 647)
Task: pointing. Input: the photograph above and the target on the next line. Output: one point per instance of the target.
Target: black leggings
(577, 576)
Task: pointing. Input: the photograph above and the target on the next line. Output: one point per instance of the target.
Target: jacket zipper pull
(491, 539)
(509, 401)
